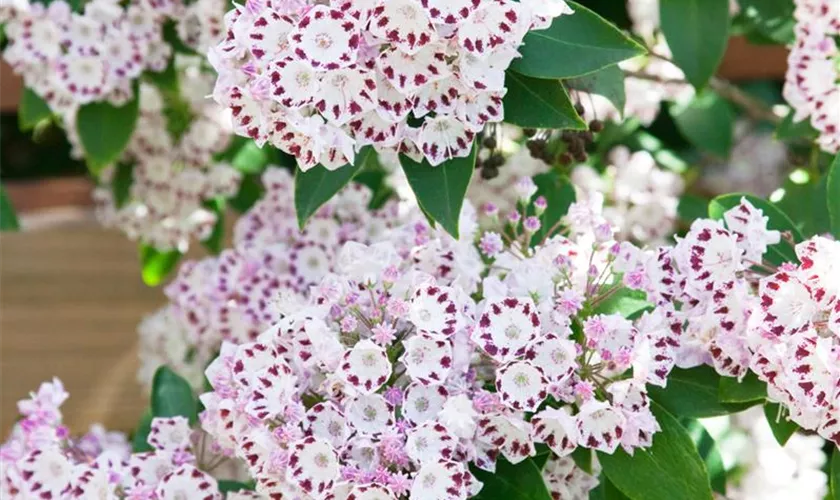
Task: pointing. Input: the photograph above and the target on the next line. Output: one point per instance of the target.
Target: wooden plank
(70, 302)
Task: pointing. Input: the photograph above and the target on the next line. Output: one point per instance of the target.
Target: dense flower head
(812, 81)
(319, 80)
(640, 199)
(391, 380)
(741, 313)
(173, 174)
(72, 58)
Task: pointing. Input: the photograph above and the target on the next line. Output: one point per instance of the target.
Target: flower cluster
(389, 380)
(42, 460)
(72, 58)
(772, 471)
(239, 294)
(173, 171)
(812, 82)
(320, 80)
(640, 198)
(742, 313)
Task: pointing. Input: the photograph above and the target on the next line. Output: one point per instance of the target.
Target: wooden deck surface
(70, 301)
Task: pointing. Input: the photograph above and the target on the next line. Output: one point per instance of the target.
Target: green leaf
(693, 393)
(607, 83)
(574, 45)
(749, 389)
(522, 481)
(139, 442)
(788, 130)
(692, 207)
(583, 458)
(440, 190)
(559, 192)
(104, 131)
(121, 184)
(535, 103)
(833, 196)
(772, 18)
(8, 217)
(250, 159)
(707, 121)
(710, 453)
(228, 486)
(696, 32)
(31, 110)
(671, 469)
(626, 302)
(783, 428)
(835, 474)
(780, 252)
(250, 192)
(606, 491)
(214, 242)
(317, 185)
(806, 203)
(172, 396)
(157, 265)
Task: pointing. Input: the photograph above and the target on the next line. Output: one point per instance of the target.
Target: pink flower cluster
(40, 459)
(240, 293)
(741, 313)
(812, 82)
(172, 177)
(377, 384)
(320, 80)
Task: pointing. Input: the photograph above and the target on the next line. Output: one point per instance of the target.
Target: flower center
(323, 40)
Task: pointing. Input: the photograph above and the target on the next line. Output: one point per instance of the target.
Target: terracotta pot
(746, 61)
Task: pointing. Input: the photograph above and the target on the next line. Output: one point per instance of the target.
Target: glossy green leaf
(693, 393)
(228, 486)
(772, 18)
(790, 130)
(522, 481)
(250, 159)
(139, 442)
(535, 103)
(697, 32)
(8, 216)
(692, 207)
(215, 241)
(157, 265)
(121, 183)
(710, 453)
(440, 190)
(835, 474)
(833, 196)
(807, 204)
(559, 193)
(172, 396)
(671, 469)
(31, 110)
(250, 192)
(626, 302)
(607, 82)
(749, 389)
(606, 491)
(776, 254)
(574, 45)
(707, 121)
(777, 418)
(317, 185)
(104, 131)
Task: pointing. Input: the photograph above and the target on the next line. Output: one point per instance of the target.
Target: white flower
(423, 402)
(458, 416)
(365, 367)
